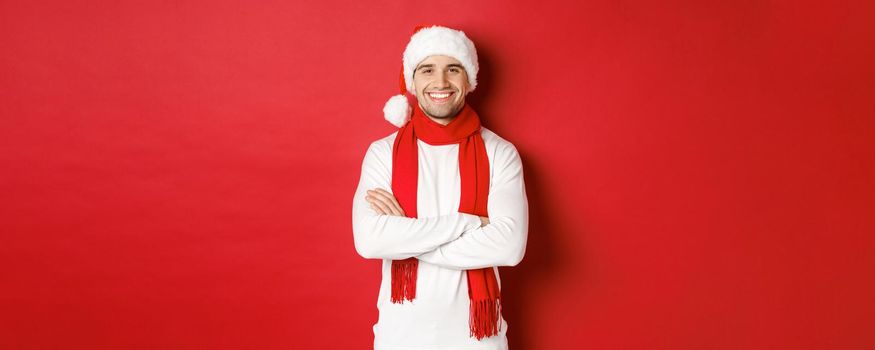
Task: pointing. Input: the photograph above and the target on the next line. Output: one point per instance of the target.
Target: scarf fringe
(404, 280)
(484, 318)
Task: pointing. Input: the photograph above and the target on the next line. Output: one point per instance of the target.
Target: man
(442, 202)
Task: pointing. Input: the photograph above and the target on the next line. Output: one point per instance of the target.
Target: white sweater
(445, 241)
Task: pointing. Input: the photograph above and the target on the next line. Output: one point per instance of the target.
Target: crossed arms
(457, 240)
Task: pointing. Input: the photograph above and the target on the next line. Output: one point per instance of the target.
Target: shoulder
(383, 146)
(490, 136)
(379, 154)
(501, 149)
(505, 162)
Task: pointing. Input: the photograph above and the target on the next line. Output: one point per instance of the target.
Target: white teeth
(438, 95)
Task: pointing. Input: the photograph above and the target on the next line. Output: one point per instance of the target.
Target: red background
(179, 175)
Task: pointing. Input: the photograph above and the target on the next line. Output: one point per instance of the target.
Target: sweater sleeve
(381, 236)
(503, 241)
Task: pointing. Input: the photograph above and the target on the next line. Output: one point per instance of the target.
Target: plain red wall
(179, 174)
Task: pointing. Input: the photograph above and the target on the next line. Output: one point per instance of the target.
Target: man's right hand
(484, 221)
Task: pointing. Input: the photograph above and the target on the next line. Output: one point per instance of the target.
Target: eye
(454, 70)
(426, 70)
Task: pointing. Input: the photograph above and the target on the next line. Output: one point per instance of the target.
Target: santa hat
(428, 41)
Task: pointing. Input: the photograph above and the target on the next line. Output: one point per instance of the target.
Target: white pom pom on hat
(397, 110)
(428, 41)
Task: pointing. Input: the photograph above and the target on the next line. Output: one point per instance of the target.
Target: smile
(440, 97)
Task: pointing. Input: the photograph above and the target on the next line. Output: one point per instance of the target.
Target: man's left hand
(384, 202)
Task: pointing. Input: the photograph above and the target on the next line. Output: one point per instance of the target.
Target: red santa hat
(429, 41)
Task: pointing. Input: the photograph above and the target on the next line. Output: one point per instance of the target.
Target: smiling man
(442, 203)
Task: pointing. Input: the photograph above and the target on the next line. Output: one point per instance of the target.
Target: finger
(394, 200)
(376, 200)
(387, 203)
(391, 198)
(375, 203)
(376, 209)
(372, 206)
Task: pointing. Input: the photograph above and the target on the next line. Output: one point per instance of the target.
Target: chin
(444, 112)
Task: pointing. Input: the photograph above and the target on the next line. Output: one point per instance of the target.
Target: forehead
(439, 60)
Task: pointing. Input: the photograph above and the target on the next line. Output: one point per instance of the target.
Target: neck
(442, 121)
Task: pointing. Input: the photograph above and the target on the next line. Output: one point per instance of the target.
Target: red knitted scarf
(483, 291)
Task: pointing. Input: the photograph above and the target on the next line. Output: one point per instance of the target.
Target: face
(441, 84)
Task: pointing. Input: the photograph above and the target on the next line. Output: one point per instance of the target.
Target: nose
(441, 81)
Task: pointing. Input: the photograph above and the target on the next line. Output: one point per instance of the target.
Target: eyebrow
(430, 65)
